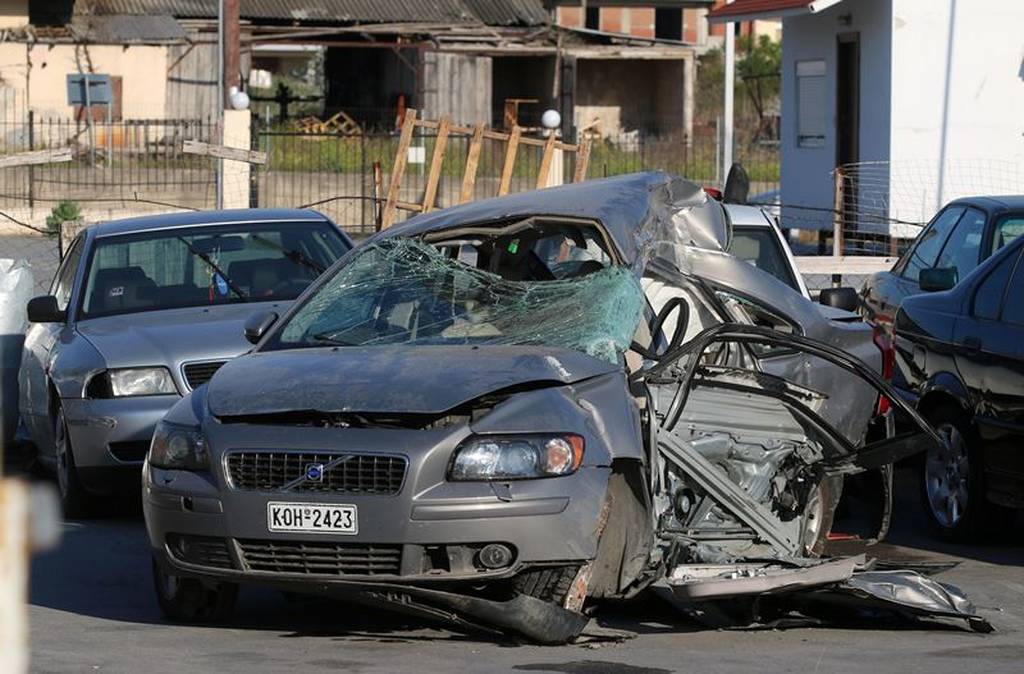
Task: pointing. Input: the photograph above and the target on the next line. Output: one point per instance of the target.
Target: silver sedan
(141, 312)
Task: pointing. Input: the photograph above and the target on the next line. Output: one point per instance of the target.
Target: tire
(820, 511)
(952, 478)
(74, 499)
(189, 600)
(549, 584)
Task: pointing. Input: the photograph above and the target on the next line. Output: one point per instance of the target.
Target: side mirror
(840, 298)
(257, 325)
(934, 279)
(44, 310)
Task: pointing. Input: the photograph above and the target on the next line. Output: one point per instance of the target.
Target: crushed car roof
(638, 210)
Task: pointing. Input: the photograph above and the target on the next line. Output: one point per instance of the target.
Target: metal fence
(335, 171)
(112, 162)
(137, 166)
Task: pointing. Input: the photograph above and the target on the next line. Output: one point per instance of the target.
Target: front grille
(129, 451)
(321, 559)
(201, 550)
(197, 374)
(357, 474)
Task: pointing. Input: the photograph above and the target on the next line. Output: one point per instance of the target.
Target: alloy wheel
(814, 516)
(946, 474)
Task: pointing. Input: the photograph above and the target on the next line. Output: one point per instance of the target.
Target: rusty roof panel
(128, 29)
(509, 12)
(313, 11)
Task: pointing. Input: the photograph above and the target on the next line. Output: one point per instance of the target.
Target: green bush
(65, 211)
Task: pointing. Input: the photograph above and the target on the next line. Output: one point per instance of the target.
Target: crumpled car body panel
(700, 461)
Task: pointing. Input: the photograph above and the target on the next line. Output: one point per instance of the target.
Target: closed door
(989, 344)
(41, 343)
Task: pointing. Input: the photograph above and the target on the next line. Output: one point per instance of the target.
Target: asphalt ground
(92, 609)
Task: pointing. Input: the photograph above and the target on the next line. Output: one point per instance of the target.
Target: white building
(933, 87)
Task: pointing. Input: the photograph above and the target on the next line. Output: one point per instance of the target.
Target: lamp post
(727, 105)
(219, 198)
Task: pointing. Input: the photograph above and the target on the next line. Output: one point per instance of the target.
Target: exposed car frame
(671, 477)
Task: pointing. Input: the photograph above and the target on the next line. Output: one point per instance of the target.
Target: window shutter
(811, 103)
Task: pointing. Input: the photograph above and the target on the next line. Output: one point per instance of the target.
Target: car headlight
(179, 447)
(516, 457)
(140, 381)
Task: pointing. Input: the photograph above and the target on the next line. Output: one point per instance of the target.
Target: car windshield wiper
(296, 256)
(213, 265)
(329, 339)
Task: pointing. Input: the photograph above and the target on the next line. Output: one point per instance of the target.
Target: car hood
(172, 336)
(386, 379)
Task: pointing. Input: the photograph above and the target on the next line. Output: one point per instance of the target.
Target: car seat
(120, 290)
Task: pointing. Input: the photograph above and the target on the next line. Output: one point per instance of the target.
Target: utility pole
(232, 39)
(727, 106)
(228, 69)
(219, 196)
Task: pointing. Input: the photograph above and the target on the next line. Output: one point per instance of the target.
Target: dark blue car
(961, 236)
(962, 352)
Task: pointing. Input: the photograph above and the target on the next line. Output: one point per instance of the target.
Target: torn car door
(745, 467)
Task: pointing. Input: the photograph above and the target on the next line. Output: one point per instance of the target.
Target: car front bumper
(426, 535)
(110, 437)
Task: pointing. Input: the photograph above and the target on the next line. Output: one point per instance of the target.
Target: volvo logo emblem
(315, 472)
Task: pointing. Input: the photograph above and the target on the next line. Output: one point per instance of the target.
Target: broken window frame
(683, 368)
(591, 305)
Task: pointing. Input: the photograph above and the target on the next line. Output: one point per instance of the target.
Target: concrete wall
(13, 13)
(628, 94)
(458, 85)
(806, 172)
(958, 101)
(38, 75)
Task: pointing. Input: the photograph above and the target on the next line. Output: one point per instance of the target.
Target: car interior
(161, 273)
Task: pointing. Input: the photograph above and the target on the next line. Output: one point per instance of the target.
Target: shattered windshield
(402, 291)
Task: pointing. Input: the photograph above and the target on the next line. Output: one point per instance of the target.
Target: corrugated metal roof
(490, 12)
(318, 11)
(127, 29)
(508, 12)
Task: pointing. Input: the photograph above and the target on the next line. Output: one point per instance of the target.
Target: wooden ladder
(445, 129)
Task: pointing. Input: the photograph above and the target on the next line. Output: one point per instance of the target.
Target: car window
(566, 257)
(1013, 312)
(761, 247)
(404, 291)
(173, 268)
(1007, 230)
(964, 245)
(988, 297)
(64, 281)
(930, 242)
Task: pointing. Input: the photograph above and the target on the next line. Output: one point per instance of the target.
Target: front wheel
(75, 500)
(189, 600)
(819, 512)
(952, 478)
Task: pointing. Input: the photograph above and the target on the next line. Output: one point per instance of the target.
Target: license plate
(317, 518)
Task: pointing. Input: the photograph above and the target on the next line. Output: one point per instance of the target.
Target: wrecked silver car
(502, 411)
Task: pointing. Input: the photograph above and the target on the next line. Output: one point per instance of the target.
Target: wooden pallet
(445, 129)
(338, 123)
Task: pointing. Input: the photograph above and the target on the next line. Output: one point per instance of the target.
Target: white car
(758, 240)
